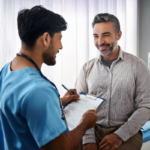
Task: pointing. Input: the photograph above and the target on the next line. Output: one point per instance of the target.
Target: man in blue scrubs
(30, 110)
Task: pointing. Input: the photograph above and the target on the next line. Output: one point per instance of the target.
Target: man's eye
(106, 35)
(95, 36)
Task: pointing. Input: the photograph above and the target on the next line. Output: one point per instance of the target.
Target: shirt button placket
(110, 88)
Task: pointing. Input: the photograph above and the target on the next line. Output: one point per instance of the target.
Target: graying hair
(105, 17)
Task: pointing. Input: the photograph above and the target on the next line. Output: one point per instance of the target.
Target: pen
(67, 89)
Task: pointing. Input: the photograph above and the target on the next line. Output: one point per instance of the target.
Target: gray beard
(110, 50)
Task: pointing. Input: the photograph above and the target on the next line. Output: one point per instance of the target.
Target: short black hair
(33, 22)
(106, 17)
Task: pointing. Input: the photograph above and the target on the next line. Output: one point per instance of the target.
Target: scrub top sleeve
(41, 109)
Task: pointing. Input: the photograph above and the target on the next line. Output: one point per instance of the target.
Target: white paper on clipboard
(75, 110)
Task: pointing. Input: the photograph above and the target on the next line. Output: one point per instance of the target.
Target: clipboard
(93, 97)
(74, 111)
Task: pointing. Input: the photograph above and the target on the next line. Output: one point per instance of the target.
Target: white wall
(144, 29)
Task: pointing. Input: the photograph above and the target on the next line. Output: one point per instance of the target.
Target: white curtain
(78, 45)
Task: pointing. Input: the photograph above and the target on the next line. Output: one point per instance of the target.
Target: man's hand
(110, 142)
(89, 119)
(90, 146)
(67, 97)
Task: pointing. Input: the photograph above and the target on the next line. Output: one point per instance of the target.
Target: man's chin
(50, 63)
(106, 53)
(103, 52)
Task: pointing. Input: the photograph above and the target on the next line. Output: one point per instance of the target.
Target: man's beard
(111, 49)
(48, 56)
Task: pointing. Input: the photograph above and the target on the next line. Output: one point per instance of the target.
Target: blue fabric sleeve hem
(49, 138)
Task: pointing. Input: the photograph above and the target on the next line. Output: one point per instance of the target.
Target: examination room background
(78, 45)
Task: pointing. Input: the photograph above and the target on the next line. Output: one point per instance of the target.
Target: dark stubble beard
(48, 55)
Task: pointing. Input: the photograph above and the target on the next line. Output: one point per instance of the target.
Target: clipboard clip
(93, 97)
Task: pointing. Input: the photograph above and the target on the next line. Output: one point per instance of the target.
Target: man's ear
(119, 35)
(46, 39)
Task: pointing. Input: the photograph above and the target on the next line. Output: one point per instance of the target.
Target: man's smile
(103, 47)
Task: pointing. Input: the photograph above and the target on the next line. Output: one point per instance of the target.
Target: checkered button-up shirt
(126, 88)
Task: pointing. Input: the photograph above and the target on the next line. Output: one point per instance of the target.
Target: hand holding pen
(70, 95)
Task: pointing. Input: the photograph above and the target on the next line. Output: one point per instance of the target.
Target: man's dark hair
(105, 17)
(33, 22)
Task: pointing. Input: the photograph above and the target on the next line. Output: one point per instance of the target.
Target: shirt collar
(120, 56)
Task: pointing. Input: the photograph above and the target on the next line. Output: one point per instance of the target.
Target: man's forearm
(134, 123)
(70, 140)
(67, 141)
(74, 137)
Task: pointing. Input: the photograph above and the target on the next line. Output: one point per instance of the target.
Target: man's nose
(100, 41)
(61, 46)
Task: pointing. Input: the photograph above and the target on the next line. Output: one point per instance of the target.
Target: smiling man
(30, 105)
(124, 81)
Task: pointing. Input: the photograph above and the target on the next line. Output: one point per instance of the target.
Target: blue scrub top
(29, 109)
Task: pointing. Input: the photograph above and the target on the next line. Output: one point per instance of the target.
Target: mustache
(103, 45)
